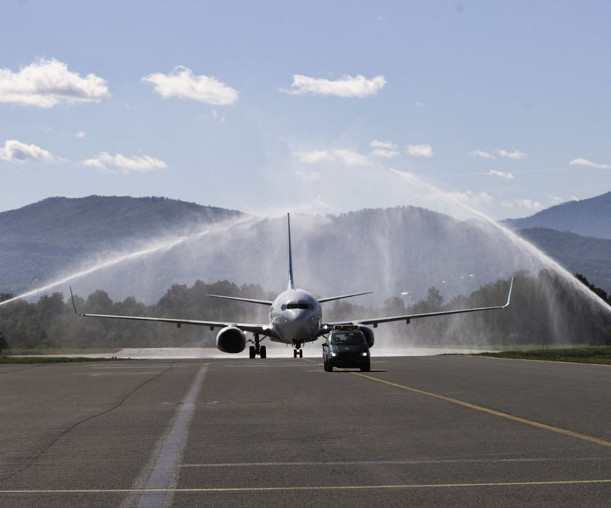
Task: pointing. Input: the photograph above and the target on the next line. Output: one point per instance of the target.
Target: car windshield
(348, 339)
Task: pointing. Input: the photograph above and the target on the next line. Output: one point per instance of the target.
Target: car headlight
(333, 354)
(364, 353)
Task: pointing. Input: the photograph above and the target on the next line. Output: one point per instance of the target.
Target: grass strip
(600, 355)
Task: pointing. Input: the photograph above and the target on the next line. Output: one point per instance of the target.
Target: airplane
(295, 318)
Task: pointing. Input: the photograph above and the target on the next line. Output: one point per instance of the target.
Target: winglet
(509, 295)
(291, 283)
(74, 303)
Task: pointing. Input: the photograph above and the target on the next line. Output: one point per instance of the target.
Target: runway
(422, 431)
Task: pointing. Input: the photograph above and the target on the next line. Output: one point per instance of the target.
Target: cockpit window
(299, 305)
(348, 339)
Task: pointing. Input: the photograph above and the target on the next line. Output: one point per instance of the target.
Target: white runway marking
(159, 478)
(405, 462)
(322, 488)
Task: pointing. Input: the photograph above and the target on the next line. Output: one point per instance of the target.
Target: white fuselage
(295, 317)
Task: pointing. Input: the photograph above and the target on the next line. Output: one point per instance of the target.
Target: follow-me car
(346, 346)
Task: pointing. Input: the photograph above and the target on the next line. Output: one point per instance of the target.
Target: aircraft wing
(407, 317)
(247, 327)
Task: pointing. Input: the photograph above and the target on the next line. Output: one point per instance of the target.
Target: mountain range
(42, 240)
(141, 246)
(587, 218)
(577, 234)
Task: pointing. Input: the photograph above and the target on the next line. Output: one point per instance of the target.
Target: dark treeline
(545, 309)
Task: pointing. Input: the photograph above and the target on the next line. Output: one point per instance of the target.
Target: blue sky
(317, 107)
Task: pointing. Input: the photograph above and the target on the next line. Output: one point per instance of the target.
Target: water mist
(583, 301)
(113, 259)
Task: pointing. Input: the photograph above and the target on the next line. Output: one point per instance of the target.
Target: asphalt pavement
(421, 431)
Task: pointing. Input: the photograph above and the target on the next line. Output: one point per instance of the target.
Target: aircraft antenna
(291, 284)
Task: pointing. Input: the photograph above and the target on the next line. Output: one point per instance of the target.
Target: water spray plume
(158, 246)
(517, 240)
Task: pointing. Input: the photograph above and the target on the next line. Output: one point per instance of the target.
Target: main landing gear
(298, 352)
(257, 349)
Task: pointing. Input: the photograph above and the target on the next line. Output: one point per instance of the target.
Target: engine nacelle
(368, 333)
(231, 340)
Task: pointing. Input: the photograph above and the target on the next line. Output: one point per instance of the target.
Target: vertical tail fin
(291, 284)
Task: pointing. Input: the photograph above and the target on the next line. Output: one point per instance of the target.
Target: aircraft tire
(263, 352)
(301, 353)
(252, 352)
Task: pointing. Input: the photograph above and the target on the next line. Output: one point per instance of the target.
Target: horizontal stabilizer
(250, 300)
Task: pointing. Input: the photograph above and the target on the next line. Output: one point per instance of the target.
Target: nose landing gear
(298, 352)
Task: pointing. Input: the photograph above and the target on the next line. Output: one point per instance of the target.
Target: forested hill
(39, 239)
(578, 254)
(588, 217)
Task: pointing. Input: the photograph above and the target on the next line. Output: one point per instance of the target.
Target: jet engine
(231, 340)
(368, 333)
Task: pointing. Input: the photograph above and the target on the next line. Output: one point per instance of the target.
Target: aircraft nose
(302, 325)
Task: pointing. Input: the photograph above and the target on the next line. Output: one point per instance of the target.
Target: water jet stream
(517, 240)
(130, 256)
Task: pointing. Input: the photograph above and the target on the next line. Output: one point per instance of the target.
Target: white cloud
(386, 154)
(557, 200)
(16, 151)
(482, 154)
(66, 134)
(502, 174)
(351, 158)
(348, 157)
(348, 86)
(182, 83)
(121, 164)
(424, 150)
(515, 155)
(588, 163)
(471, 198)
(314, 156)
(46, 83)
(525, 204)
(384, 149)
(388, 145)
(529, 204)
